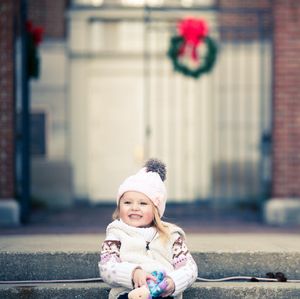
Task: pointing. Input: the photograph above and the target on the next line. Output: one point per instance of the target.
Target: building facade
(107, 98)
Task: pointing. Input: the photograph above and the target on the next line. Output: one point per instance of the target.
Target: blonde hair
(161, 226)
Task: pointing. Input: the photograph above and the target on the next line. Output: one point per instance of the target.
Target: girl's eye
(127, 202)
(144, 203)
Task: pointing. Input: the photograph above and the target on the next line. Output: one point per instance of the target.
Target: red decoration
(36, 32)
(192, 51)
(34, 38)
(193, 32)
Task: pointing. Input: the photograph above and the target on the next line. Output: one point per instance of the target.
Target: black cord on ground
(271, 277)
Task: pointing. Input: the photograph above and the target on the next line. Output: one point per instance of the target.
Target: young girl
(139, 242)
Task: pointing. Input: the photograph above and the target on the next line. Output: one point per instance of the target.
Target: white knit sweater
(125, 248)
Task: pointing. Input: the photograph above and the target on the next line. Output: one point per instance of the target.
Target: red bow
(193, 31)
(37, 32)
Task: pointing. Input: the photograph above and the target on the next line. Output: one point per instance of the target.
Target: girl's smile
(136, 209)
(135, 216)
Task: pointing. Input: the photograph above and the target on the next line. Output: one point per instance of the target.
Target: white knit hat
(149, 181)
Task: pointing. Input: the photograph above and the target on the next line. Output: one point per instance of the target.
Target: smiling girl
(138, 242)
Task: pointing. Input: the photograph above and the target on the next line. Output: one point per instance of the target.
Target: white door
(115, 125)
(112, 101)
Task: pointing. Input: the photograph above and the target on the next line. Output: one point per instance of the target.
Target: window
(38, 134)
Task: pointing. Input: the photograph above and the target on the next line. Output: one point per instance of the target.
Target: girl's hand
(140, 276)
(170, 287)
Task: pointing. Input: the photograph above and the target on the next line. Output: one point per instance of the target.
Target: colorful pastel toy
(155, 288)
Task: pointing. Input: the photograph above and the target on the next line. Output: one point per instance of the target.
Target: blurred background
(101, 96)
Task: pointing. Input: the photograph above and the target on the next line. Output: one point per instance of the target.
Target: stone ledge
(9, 213)
(282, 211)
(224, 290)
(68, 265)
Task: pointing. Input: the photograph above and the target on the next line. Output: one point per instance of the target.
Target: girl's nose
(135, 206)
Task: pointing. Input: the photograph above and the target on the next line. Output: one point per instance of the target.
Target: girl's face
(136, 209)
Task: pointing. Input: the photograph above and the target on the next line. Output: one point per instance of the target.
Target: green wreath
(33, 59)
(34, 36)
(207, 61)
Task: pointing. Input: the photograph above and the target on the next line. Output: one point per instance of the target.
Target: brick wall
(50, 14)
(240, 20)
(244, 3)
(7, 12)
(286, 126)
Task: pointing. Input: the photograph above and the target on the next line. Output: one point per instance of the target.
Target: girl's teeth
(135, 216)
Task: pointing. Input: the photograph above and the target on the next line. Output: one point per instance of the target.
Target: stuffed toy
(154, 289)
(139, 293)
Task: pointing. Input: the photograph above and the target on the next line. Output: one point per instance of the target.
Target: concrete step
(60, 265)
(217, 256)
(224, 290)
(76, 256)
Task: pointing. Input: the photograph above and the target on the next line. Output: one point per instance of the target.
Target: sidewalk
(193, 218)
(217, 243)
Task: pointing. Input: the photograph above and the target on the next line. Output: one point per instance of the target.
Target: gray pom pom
(156, 165)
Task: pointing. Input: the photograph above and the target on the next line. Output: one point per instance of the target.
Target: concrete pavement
(201, 242)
